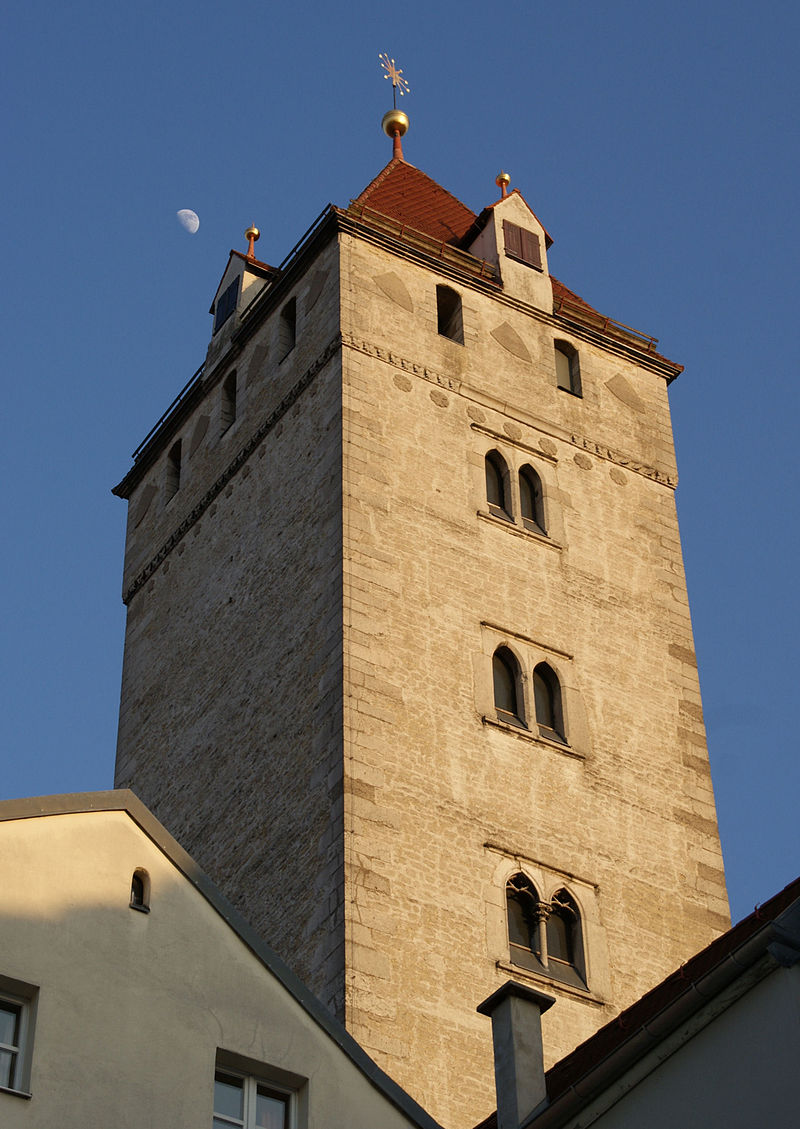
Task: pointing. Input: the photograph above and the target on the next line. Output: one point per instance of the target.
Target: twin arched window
(509, 697)
(545, 936)
(498, 493)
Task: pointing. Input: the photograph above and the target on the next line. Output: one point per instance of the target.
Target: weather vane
(396, 75)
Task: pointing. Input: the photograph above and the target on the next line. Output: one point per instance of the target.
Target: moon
(189, 220)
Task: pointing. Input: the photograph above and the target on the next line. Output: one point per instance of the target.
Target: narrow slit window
(287, 329)
(173, 474)
(568, 373)
(450, 321)
(227, 413)
(140, 890)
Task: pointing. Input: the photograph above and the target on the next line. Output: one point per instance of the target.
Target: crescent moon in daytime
(188, 220)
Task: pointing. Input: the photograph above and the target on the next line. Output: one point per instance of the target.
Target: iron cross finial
(395, 73)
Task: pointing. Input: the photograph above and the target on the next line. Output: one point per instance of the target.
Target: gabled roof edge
(123, 799)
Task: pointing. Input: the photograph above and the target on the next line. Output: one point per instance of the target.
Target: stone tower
(409, 665)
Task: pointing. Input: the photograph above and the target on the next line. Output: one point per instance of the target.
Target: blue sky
(657, 143)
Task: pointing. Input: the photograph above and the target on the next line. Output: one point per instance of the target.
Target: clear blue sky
(657, 142)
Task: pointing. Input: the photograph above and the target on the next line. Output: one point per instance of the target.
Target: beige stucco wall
(133, 1007)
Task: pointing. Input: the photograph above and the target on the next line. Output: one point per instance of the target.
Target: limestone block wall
(230, 723)
(442, 803)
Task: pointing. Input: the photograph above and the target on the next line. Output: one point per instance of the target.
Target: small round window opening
(140, 891)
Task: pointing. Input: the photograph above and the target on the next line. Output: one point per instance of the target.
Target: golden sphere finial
(394, 122)
(502, 180)
(252, 233)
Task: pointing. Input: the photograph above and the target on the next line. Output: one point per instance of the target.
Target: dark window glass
(137, 890)
(568, 375)
(531, 500)
(270, 1109)
(228, 1099)
(496, 490)
(547, 702)
(504, 670)
(226, 304)
(9, 1042)
(448, 312)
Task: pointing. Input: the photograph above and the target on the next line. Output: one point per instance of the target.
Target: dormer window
(226, 304)
(522, 245)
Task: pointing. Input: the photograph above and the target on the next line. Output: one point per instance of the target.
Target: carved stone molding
(393, 358)
(622, 460)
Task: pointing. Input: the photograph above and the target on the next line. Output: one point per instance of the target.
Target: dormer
(513, 239)
(243, 279)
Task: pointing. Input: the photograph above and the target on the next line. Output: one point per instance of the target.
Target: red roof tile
(412, 197)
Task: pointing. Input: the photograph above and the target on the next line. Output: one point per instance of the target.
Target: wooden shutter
(530, 248)
(513, 238)
(522, 244)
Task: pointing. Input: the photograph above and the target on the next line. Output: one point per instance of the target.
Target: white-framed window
(16, 1034)
(246, 1102)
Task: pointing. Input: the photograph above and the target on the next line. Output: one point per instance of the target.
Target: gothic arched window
(497, 485)
(544, 937)
(505, 673)
(565, 941)
(522, 911)
(531, 499)
(547, 703)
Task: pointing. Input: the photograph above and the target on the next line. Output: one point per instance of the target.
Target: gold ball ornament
(394, 121)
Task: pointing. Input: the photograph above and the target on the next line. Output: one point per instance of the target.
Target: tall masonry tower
(409, 664)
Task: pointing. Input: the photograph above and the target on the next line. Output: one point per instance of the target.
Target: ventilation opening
(448, 312)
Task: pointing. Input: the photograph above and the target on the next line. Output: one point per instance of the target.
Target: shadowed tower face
(409, 665)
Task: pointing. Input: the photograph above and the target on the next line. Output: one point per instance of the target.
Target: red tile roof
(412, 197)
